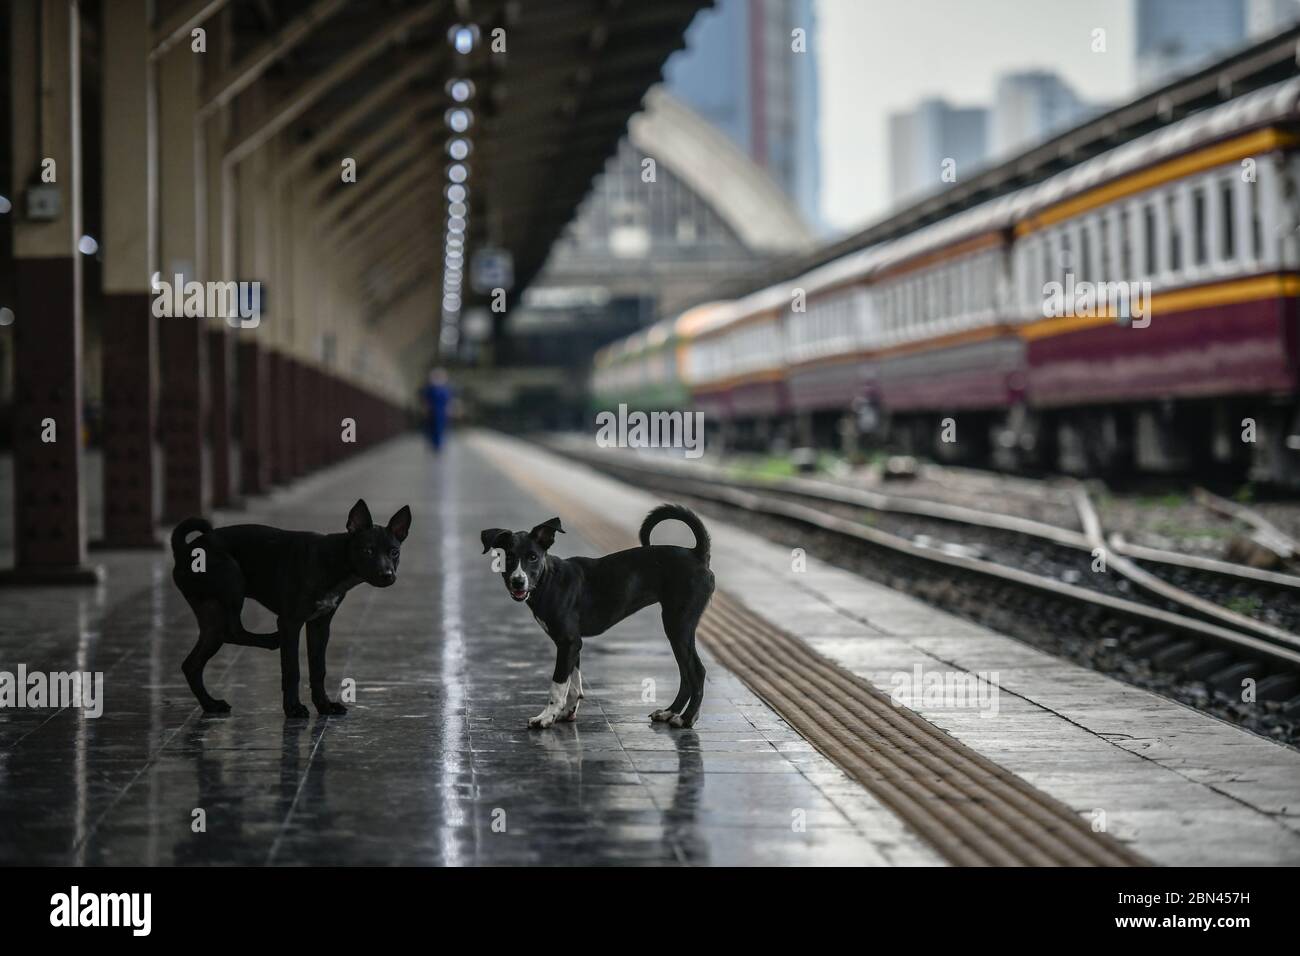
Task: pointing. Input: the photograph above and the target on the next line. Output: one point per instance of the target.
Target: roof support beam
(350, 194)
(246, 72)
(416, 281)
(397, 231)
(365, 150)
(302, 155)
(389, 193)
(294, 105)
(421, 202)
(418, 258)
(181, 22)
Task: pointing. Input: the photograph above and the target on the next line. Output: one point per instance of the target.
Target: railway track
(1217, 636)
(972, 811)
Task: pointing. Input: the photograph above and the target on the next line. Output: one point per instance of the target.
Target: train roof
(700, 318)
(1273, 104)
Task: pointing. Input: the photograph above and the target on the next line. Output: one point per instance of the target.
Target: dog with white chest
(577, 598)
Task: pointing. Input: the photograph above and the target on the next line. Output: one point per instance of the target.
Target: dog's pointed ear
(359, 517)
(544, 533)
(494, 538)
(400, 523)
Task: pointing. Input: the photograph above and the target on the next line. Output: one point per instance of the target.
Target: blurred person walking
(437, 397)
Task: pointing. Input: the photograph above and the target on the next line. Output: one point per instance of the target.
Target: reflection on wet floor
(434, 763)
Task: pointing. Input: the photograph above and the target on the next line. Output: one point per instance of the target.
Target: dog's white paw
(542, 720)
(571, 700)
(678, 721)
(662, 716)
(555, 705)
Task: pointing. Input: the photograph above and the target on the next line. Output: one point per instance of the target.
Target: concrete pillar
(207, 140)
(130, 337)
(49, 521)
(182, 340)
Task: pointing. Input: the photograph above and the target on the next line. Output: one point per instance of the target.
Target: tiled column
(130, 364)
(183, 354)
(129, 345)
(49, 523)
(281, 415)
(182, 339)
(220, 360)
(254, 419)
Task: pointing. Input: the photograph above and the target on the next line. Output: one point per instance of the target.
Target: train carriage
(830, 370)
(736, 361)
(1195, 226)
(1138, 309)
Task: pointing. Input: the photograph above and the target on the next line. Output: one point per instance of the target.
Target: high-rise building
(1266, 17)
(930, 140)
(1028, 108)
(1175, 36)
(750, 69)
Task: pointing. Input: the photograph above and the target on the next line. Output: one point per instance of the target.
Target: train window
(1174, 223)
(1256, 222)
(1149, 231)
(1064, 262)
(1227, 218)
(1028, 265)
(1125, 248)
(1085, 250)
(1200, 247)
(1102, 224)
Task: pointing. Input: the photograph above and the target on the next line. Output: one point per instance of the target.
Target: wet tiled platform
(434, 763)
(1178, 786)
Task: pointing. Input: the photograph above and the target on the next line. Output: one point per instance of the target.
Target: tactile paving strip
(972, 811)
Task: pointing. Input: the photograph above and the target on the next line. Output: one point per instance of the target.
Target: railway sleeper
(1281, 686)
(1167, 658)
(1146, 646)
(1204, 664)
(1228, 681)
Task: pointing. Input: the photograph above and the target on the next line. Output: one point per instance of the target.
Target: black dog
(299, 576)
(581, 597)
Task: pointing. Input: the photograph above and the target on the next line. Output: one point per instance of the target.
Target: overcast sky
(879, 56)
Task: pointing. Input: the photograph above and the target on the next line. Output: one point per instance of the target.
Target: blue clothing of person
(438, 400)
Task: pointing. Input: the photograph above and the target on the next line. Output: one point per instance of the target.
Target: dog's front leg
(570, 710)
(318, 638)
(289, 674)
(566, 658)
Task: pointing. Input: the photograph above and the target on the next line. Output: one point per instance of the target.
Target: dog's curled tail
(185, 527)
(687, 517)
